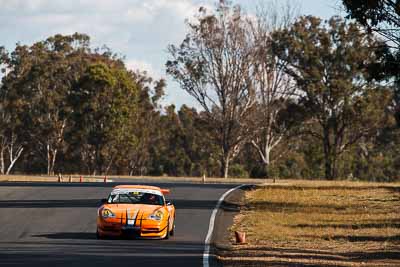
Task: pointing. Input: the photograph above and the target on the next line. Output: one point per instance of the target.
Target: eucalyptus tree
(61, 67)
(213, 64)
(273, 86)
(38, 82)
(147, 130)
(104, 102)
(12, 144)
(13, 123)
(383, 18)
(329, 63)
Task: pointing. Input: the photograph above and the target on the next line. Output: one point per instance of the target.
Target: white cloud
(141, 30)
(139, 65)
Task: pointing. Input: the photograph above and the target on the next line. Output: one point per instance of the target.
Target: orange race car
(137, 211)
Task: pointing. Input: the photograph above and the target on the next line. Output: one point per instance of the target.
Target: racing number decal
(131, 216)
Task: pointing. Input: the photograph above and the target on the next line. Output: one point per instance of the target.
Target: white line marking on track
(206, 254)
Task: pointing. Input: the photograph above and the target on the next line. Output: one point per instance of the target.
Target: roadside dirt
(359, 244)
(223, 238)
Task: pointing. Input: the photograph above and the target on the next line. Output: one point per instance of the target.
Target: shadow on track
(79, 236)
(95, 203)
(297, 256)
(96, 253)
(51, 203)
(86, 236)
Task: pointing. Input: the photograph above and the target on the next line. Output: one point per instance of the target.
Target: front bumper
(150, 230)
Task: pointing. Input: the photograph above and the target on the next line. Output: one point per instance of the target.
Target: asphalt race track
(45, 224)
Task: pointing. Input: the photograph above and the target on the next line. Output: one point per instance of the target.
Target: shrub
(238, 171)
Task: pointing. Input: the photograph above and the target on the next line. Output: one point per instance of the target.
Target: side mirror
(103, 201)
(168, 203)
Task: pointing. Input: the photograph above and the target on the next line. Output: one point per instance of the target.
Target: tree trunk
(267, 162)
(51, 158)
(328, 168)
(48, 159)
(98, 161)
(109, 165)
(2, 167)
(334, 165)
(225, 165)
(13, 159)
(226, 172)
(53, 161)
(266, 169)
(330, 164)
(327, 155)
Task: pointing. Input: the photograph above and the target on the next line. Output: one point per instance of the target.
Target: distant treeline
(281, 96)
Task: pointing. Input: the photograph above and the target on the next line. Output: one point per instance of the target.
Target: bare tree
(213, 64)
(273, 86)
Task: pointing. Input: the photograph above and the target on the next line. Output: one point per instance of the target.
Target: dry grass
(320, 223)
(211, 180)
(46, 178)
(98, 178)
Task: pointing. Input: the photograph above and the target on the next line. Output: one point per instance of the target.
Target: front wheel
(172, 232)
(98, 235)
(167, 232)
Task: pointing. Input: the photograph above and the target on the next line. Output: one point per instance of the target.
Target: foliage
(309, 94)
(328, 63)
(238, 171)
(382, 16)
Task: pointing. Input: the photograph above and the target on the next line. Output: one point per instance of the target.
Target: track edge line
(206, 253)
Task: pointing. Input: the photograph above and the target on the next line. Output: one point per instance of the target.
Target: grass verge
(49, 179)
(140, 179)
(301, 223)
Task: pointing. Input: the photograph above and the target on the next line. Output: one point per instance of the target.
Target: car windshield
(136, 197)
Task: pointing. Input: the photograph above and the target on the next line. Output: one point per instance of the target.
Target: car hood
(132, 210)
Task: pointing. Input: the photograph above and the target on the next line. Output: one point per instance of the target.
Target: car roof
(137, 187)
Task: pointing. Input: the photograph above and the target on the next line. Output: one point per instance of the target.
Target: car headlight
(106, 213)
(156, 216)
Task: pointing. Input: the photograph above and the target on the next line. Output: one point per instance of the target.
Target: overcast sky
(137, 29)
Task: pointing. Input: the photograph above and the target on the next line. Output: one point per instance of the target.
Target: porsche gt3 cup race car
(136, 211)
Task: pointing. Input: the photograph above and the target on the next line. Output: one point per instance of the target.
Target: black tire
(173, 229)
(98, 236)
(167, 234)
